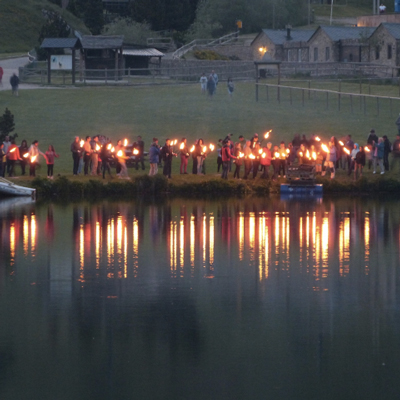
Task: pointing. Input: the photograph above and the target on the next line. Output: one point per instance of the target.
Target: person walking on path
(211, 86)
(203, 83)
(215, 79)
(14, 82)
(231, 87)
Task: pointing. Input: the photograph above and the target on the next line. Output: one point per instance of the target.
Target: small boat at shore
(8, 188)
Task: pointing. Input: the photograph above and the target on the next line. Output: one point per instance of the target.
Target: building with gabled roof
(282, 45)
(384, 45)
(339, 44)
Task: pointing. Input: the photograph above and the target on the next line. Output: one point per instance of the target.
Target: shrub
(209, 55)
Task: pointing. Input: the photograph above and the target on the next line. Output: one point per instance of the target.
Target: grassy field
(55, 116)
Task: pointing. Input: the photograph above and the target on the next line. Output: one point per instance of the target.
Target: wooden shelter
(103, 52)
(60, 43)
(137, 60)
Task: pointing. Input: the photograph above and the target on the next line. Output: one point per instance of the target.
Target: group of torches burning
(310, 155)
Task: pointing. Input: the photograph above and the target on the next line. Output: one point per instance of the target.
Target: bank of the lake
(78, 188)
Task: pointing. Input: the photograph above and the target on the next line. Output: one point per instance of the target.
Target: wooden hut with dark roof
(102, 52)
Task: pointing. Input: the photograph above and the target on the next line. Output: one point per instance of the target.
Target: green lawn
(55, 116)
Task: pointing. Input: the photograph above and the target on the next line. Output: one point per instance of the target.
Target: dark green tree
(55, 27)
(91, 13)
(165, 14)
(7, 125)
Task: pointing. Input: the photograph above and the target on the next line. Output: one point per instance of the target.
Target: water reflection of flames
(33, 235)
(241, 235)
(252, 234)
(367, 242)
(12, 244)
(98, 245)
(172, 248)
(204, 240)
(135, 247)
(192, 241)
(182, 244)
(344, 246)
(25, 235)
(81, 253)
(211, 240)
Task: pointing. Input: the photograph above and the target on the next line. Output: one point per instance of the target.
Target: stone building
(339, 44)
(384, 45)
(282, 45)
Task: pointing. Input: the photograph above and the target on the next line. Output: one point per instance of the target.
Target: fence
(323, 98)
(168, 73)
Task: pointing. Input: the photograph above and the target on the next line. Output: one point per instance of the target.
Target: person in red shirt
(12, 156)
(226, 159)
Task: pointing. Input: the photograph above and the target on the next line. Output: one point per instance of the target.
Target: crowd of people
(27, 156)
(247, 158)
(209, 84)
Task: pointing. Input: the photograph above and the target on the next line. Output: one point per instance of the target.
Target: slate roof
(393, 29)
(336, 33)
(150, 52)
(60, 43)
(279, 36)
(102, 42)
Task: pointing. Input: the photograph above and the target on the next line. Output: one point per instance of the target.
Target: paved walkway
(10, 67)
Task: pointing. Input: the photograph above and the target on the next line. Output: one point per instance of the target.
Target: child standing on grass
(50, 155)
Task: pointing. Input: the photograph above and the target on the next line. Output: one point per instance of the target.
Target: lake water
(184, 299)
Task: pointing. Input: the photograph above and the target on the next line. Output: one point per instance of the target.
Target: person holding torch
(184, 153)
(33, 155)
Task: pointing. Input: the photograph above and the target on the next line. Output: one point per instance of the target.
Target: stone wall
(375, 20)
(379, 42)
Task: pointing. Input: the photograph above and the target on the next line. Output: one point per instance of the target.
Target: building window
(377, 53)
(327, 53)
(389, 51)
(299, 55)
(316, 54)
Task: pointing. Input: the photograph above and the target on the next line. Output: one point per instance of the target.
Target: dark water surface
(238, 299)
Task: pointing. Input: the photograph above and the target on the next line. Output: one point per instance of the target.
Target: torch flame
(260, 151)
(307, 154)
(347, 151)
(112, 149)
(288, 151)
(33, 158)
(266, 136)
(81, 143)
(12, 150)
(182, 146)
(367, 149)
(241, 155)
(26, 155)
(314, 155)
(300, 153)
(135, 152)
(192, 149)
(252, 156)
(212, 147)
(263, 155)
(317, 139)
(276, 154)
(120, 153)
(204, 149)
(97, 147)
(324, 147)
(341, 143)
(109, 146)
(125, 142)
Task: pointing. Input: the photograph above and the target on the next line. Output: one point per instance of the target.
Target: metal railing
(204, 43)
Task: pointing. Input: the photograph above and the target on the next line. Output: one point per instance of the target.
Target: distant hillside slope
(21, 21)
